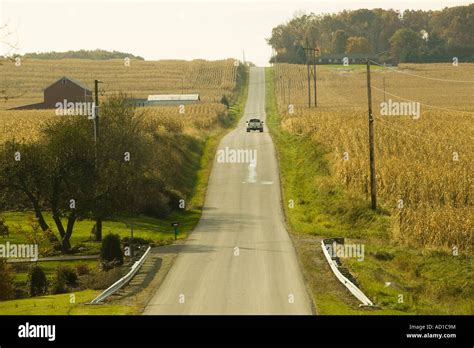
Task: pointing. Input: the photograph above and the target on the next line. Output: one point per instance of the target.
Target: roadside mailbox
(175, 226)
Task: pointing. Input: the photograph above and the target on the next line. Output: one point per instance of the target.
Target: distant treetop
(97, 54)
(413, 36)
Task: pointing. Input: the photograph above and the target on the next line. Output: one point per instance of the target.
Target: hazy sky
(169, 29)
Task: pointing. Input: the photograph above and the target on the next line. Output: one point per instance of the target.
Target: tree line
(393, 36)
(97, 54)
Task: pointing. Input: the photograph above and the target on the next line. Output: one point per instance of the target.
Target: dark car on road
(254, 124)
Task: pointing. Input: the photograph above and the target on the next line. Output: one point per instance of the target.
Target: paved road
(242, 210)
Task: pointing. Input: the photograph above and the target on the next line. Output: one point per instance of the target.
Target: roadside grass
(61, 305)
(401, 280)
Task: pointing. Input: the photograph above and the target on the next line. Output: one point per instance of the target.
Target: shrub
(59, 286)
(82, 269)
(111, 250)
(225, 101)
(108, 265)
(7, 292)
(3, 228)
(383, 256)
(137, 241)
(37, 282)
(102, 280)
(66, 274)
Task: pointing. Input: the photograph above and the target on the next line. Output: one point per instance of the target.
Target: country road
(239, 259)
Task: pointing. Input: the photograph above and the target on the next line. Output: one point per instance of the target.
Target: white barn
(167, 99)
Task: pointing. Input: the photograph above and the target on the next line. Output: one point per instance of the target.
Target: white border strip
(122, 281)
(347, 283)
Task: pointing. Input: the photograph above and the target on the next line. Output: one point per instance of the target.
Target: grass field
(61, 305)
(431, 280)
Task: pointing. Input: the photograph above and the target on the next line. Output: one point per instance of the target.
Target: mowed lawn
(155, 230)
(75, 303)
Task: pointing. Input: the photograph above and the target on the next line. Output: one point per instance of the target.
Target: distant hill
(97, 54)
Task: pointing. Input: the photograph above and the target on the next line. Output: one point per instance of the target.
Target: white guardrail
(347, 283)
(122, 281)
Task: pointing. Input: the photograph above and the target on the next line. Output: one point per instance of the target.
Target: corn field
(212, 80)
(424, 166)
(24, 125)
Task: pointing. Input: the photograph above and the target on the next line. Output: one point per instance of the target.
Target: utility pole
(98, 221)
(282, 87)
(311, 71)
(314, 79)
(384, 88)
(289, 91)
(309, 83)
(96, 115)
(373, 194)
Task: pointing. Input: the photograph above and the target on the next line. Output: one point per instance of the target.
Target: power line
(427, 105)
(380, 118)
(422, 137)
(421, 77)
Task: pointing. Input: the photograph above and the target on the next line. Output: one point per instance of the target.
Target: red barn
(65, 88)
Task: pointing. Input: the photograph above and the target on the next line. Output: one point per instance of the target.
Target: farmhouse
(167, 99)
(64, 89)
